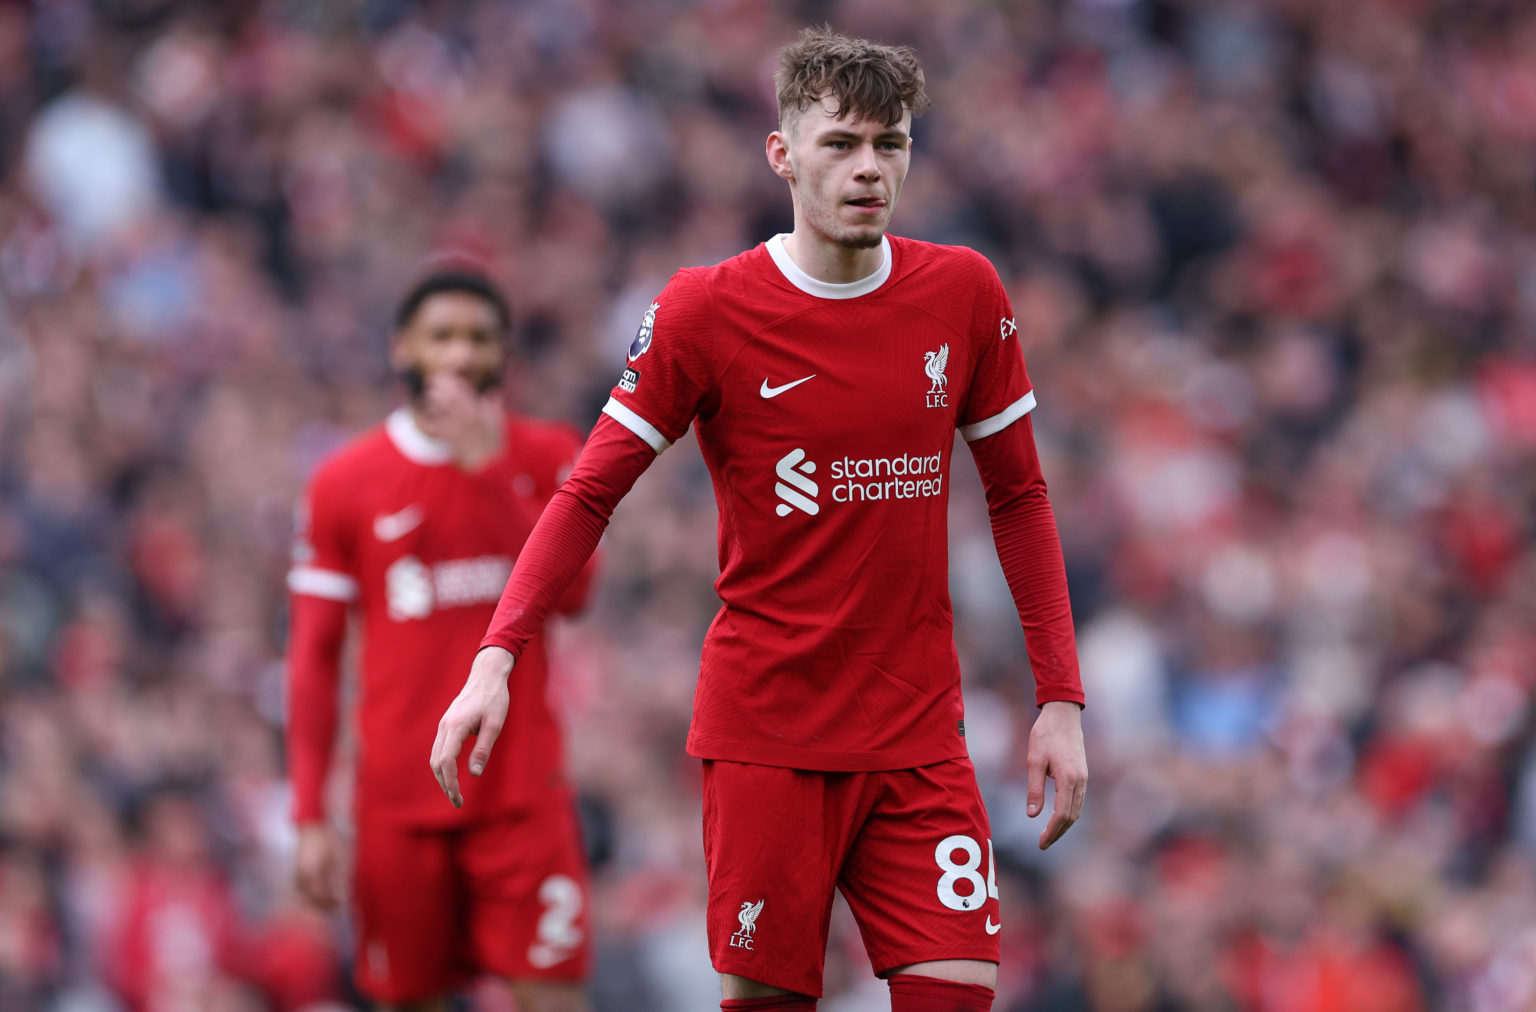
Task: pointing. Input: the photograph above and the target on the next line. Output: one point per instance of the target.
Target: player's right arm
(669, 373)
(321, 589)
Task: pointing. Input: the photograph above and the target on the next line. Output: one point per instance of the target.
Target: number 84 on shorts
(967, 870)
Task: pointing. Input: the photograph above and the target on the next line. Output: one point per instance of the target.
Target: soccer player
(414, 526)
(825, 372)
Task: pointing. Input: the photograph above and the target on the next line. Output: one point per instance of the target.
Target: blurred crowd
(1274, 265)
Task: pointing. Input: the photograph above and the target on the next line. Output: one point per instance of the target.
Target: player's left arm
(1024, 530)
(994, 418)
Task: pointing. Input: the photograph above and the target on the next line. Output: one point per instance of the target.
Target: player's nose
(866, 168)
(459, 354)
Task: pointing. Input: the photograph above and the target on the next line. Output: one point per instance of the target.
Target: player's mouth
(866, 205)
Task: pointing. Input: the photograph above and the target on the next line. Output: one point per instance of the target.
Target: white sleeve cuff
(1000, 421)
(326, 583)
(634, 423)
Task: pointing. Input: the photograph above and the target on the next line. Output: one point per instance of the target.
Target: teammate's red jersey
(423, 549)
(826, 414)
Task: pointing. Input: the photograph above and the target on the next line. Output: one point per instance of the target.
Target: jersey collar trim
(413, 444)
(825, 289)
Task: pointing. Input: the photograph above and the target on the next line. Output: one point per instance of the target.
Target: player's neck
(418, 418)
(831, 262)
(425, 427)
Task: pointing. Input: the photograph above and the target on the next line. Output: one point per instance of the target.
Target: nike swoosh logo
(992, 929)
(389, 527)
(771, 392)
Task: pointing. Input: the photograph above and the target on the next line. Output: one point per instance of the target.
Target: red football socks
(782, 1002)
(912, 993)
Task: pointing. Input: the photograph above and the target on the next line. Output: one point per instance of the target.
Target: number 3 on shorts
(969, 871)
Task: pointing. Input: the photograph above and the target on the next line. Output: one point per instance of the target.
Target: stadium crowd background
(1274, 264)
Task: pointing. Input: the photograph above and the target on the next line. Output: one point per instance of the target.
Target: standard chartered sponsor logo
(905, 477)
(867, 479)
(414, 590)
(797, 490)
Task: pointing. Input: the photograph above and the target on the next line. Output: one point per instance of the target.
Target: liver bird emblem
(934, 363)
(748, 917)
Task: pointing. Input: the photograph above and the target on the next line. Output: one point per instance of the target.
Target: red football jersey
(826, 414)
(423, 549)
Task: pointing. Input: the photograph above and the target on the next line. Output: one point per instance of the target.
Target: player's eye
(838, 145)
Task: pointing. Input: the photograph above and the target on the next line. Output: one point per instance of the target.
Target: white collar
(826, 289)
(414, 444)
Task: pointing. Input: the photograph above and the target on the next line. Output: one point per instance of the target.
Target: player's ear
(399, 351)
(777, 150)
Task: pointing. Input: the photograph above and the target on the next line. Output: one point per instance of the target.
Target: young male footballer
(825, 372)
(413, 527)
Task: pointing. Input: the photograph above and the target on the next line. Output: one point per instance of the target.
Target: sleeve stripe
(325, 583)
(634, 423)
(1000, 421)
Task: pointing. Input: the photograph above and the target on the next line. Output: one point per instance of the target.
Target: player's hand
(1056, 751)
(470, 422)
(480, 710)
(317, 865)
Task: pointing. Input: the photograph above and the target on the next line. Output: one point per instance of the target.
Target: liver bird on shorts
(748, 917)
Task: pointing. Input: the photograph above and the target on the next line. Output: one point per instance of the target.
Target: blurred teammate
(414, 525)
(826, 372)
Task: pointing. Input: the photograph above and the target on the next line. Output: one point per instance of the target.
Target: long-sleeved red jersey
(419, 549)
(826, 414)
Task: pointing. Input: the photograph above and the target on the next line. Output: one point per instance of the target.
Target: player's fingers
(452, 393)
(1036, 795)
(1061, 812)
(1054, 829)
(437, 748)
(315, 886)
(301, 879)
(434, 761)
(325, 886)
(490, 730)
(445, 760)
(1079, 797)
(1067, 782)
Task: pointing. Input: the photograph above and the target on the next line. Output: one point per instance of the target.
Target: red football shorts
(910, 850)
(435, 908)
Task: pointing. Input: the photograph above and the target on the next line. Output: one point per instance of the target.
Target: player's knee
(733, 987)
(550, 997)
(911, 993)
(962, 971)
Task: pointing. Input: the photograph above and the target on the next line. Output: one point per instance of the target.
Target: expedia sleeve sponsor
(999, 384)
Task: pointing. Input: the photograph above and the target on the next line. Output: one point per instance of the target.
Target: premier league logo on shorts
(742, 939)
(642, 341)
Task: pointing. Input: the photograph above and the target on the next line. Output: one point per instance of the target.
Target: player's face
(846, 172)
(452, 332)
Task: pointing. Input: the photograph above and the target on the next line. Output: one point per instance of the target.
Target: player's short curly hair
(454, 277)
(867, 79)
